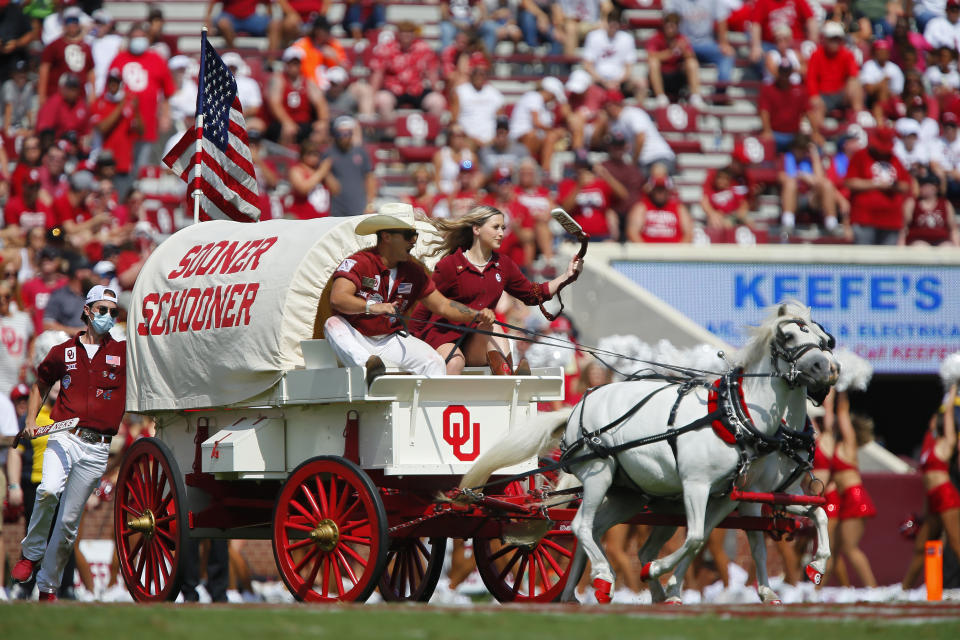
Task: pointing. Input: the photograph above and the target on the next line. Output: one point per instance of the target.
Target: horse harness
(727, 415)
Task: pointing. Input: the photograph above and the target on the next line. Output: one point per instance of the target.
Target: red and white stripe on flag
(227, 178)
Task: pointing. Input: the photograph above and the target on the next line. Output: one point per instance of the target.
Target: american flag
(227, 177)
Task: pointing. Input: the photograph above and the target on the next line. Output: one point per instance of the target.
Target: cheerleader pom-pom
(855, 372)
(950, 369)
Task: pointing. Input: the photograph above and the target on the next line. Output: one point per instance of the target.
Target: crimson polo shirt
(458, 279)
(366, 270)
(93, 390)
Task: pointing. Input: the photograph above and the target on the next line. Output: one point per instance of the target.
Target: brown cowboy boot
(522, 368)
(498, 365)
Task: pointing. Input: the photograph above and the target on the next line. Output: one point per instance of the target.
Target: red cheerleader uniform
(662, 224)
(944, 496)
(855, 502)
(929, 226)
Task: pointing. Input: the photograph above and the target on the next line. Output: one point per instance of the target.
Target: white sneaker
(444, 595)
(3, 595)
(662, 101)
(697, 102)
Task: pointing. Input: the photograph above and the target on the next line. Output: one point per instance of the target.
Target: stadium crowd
(858, 104)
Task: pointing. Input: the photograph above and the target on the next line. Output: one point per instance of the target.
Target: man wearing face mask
(145, 76)
(116, 121)
(91, 370)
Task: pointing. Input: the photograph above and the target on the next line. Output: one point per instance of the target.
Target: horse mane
(757, 347)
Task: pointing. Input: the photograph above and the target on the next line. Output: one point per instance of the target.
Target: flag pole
(197, 167)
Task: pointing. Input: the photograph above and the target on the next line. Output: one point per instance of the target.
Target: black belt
(91, 436)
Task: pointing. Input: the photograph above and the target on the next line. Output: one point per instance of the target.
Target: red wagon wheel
(526, 573)
(149, 519)
(413, 569)
(330, 532)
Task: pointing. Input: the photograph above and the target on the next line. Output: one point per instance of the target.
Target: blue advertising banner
(904, 319)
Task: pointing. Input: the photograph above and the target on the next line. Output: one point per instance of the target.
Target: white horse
(780, 471)
(788, 353)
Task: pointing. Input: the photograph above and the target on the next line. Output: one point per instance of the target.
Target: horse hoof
(602, 590)
(645, 571)
(675, 600)
(813, 575)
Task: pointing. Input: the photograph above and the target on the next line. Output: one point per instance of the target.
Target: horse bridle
(779, 350)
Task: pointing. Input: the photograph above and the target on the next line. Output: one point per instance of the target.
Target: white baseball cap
(907, 127)
(99, 293)
(833, 30)
(293, 53)
(579, 81)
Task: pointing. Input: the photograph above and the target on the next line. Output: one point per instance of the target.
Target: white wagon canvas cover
(220, 308)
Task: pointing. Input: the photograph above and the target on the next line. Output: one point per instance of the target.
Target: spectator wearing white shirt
(609, 54)
(648, 147)
(532, 121)
(907, 147)
(926, 10)
(783, 50)
(248, 89)
(704, 23)
(879, 76)
(948, 153)
(942, 77)
(53, 23)
(945, 31)
(105, 43)
(475, 105)
(929, 129)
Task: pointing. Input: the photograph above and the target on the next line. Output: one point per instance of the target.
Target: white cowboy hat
(393, 215)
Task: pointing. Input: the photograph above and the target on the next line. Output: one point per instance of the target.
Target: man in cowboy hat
(373, 286)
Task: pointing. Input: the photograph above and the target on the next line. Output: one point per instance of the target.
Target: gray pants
(72, 470)
(872, 235)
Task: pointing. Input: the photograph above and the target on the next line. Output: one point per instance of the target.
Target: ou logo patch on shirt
(135, 77)
(75, 57)
(347, 265)
(70, 354)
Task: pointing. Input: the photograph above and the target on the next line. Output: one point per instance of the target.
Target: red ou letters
(457, 432)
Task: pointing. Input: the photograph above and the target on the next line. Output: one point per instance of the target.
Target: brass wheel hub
(326, 535)
(145, 524)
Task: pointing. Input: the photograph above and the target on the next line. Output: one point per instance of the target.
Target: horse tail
(537, 437)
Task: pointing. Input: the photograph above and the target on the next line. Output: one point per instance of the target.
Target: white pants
(72, 470)
(409, 353)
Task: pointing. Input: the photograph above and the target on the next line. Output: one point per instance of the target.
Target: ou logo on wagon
(458, 432)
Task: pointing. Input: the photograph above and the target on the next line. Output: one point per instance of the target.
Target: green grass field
(141, 622)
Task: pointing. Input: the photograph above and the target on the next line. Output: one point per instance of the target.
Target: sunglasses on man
(408, 234)
(102, 310)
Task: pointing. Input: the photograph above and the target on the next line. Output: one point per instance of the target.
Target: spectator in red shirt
(72, 210)
(36, 291)
(673, 64)
(587, 199)
(724, 205)
(405, 72)
(66, 111)
(768, 14)
(538, 201)
(782, 106)
(241, 16)
(311, 183)
(117, 121)
(929, 219)
(625, 171)
(27, 210)
(421, 199)
(878, 185)
(660, 217)
(146, 77)
(30, 156)
(67, 54)
(833, 79)
(296, 103)
(297, 14)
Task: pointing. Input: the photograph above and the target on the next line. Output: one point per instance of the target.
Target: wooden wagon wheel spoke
(346, 565)
(318, 513)
(541, 568)
(355, 539)
(326, 577)
(505, 549)
(557, 547)
(312, 578)
(324, 510)
(509, 566)
(353, 554)
(299, 545)
(299, 507)
(518, 580)
(551, 561)
(306, 558)
(159, 490)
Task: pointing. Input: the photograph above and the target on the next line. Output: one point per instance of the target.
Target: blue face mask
(102, 323)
